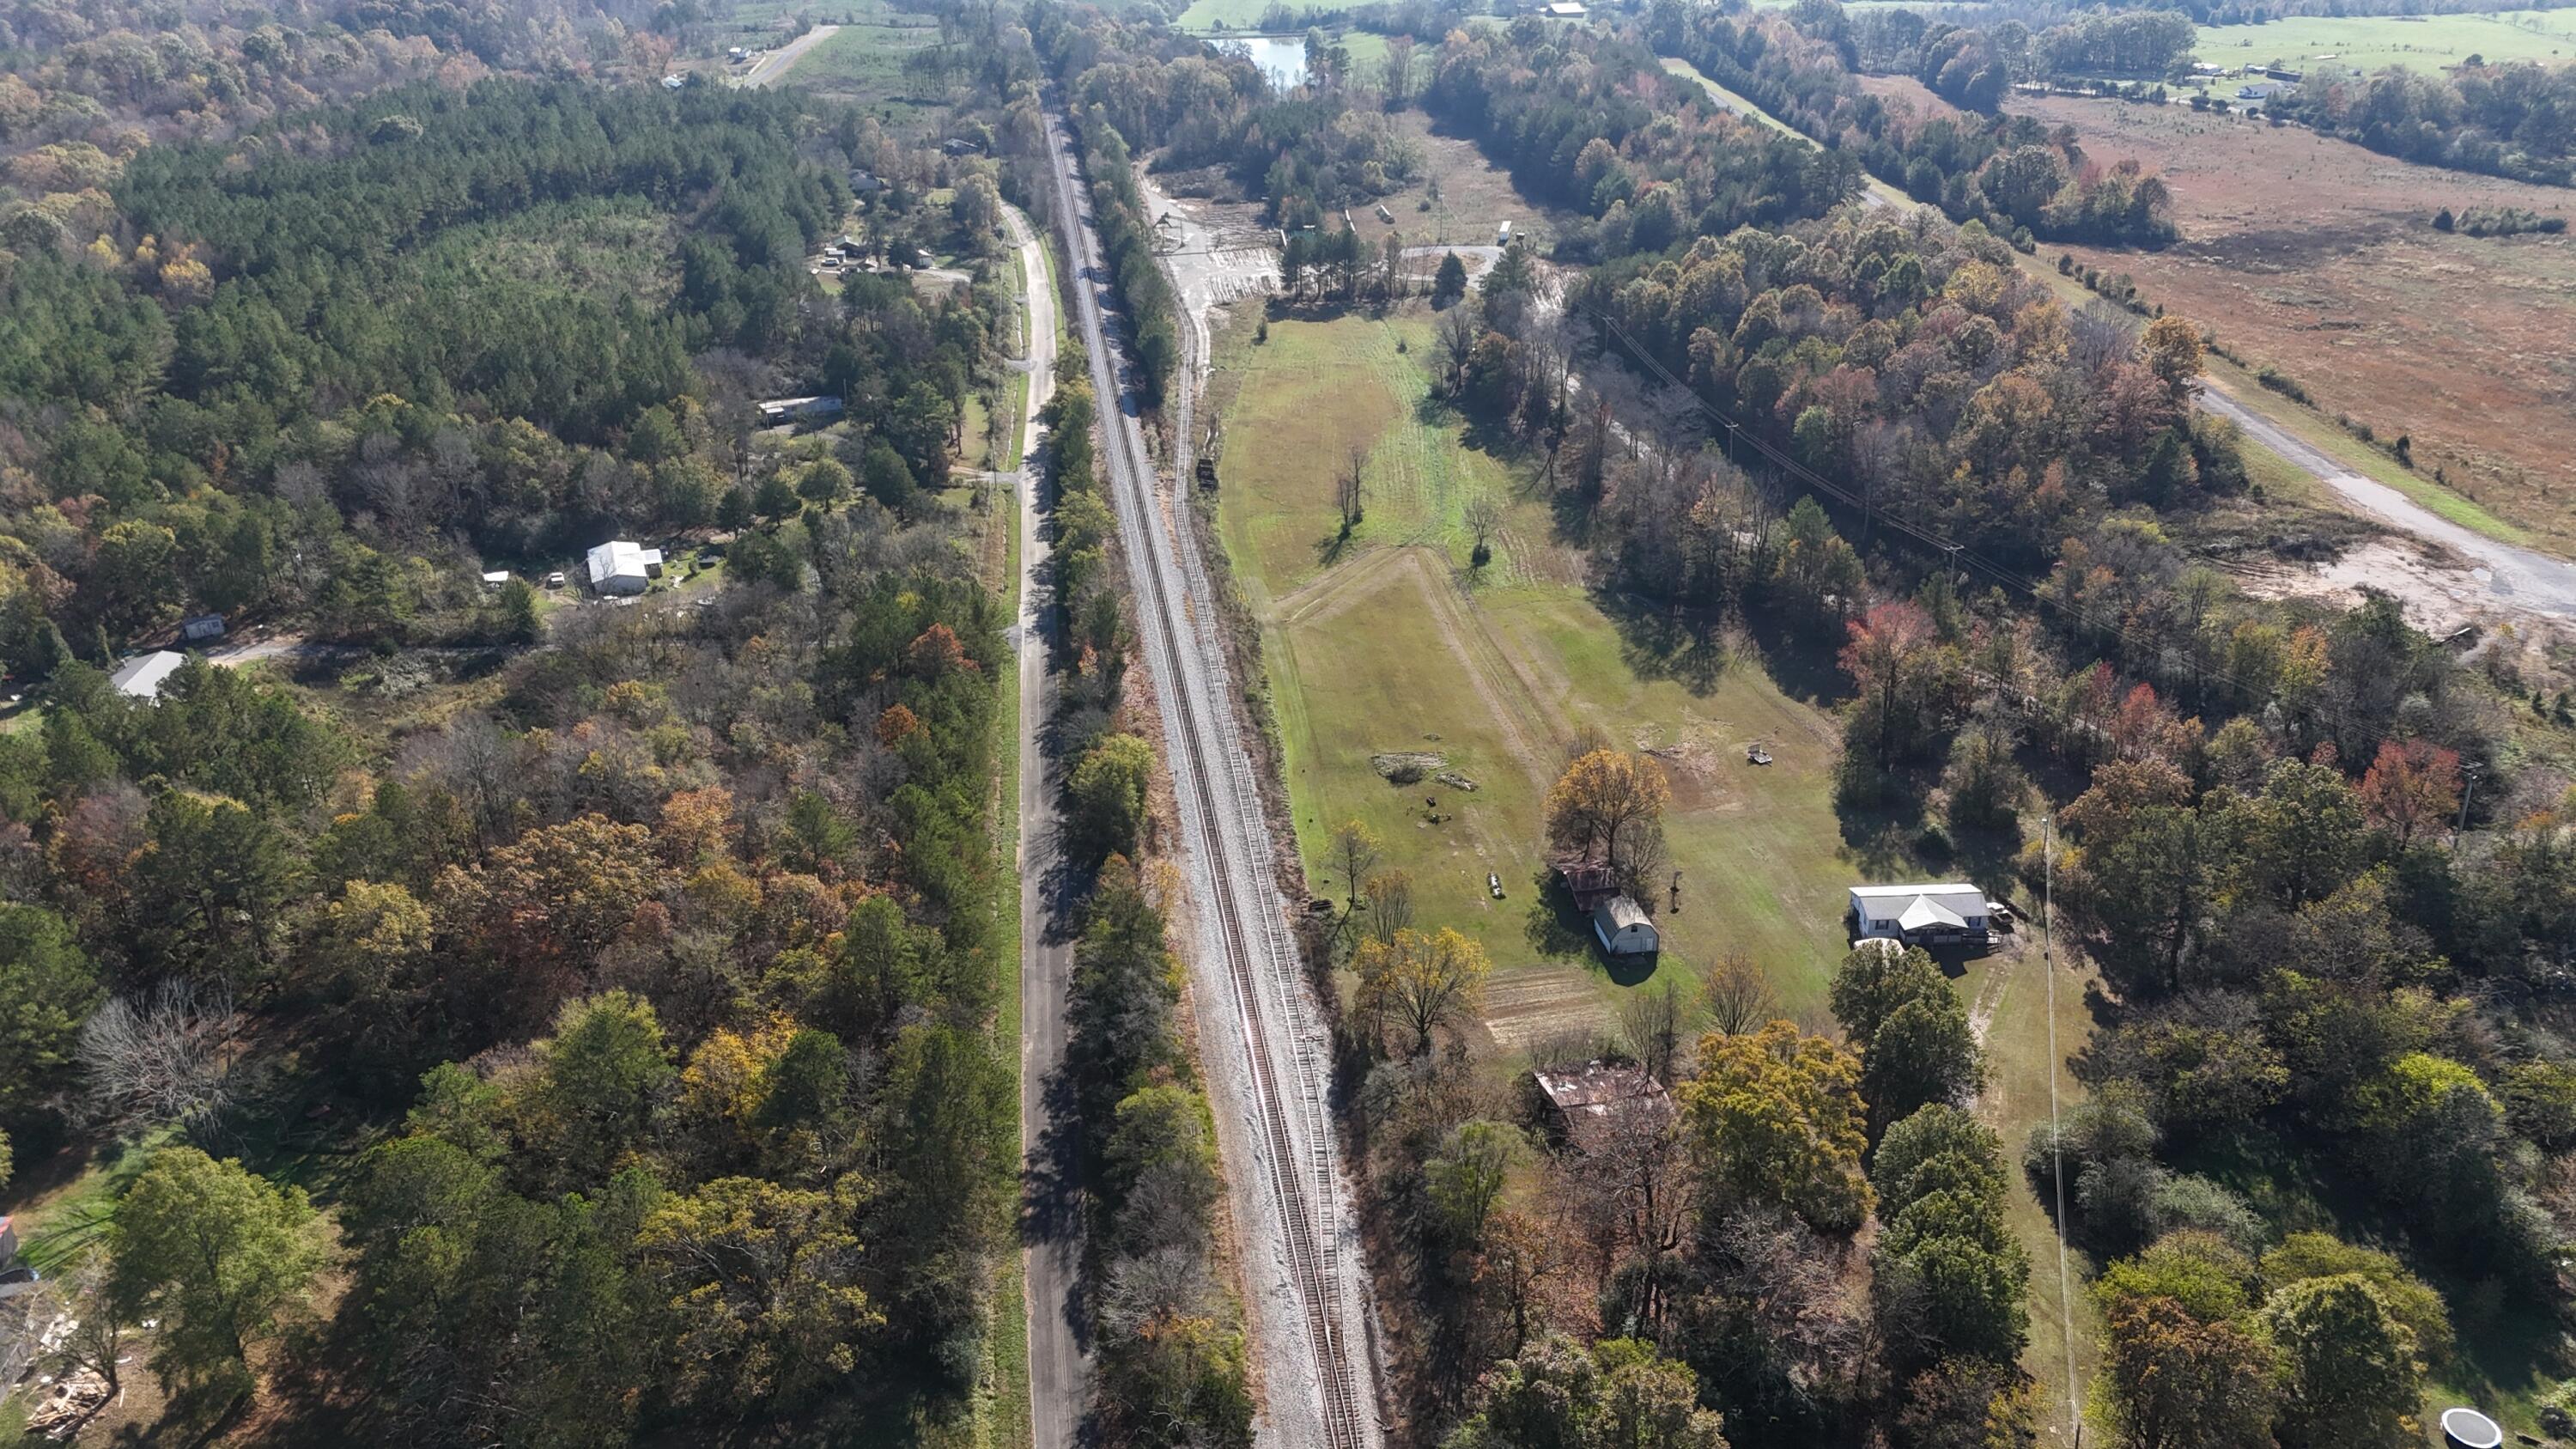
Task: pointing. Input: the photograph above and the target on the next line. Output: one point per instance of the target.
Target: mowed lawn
(1384, 643)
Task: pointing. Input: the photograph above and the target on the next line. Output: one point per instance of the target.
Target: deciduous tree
(219, 1256)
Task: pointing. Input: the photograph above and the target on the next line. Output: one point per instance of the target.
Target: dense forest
(1971, 65)
(1591, 122)
(2008, 171)
(274, 384)
(584, 1031)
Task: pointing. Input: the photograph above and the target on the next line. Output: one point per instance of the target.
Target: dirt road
(1262, 1044)
(2506, 579)
(779, 62)
(1051, 1173)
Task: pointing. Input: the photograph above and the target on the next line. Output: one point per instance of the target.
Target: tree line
(2516, 120)
(2009, 171)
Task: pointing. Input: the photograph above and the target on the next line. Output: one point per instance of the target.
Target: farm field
(1475, 196)
(1207, 15)
(2317, 257)
(1386, 645)
(2373, 42)
(864, 63)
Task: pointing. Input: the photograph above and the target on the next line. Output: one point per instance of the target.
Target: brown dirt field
(2317, 256)
(1905, 95)
(1475, 196)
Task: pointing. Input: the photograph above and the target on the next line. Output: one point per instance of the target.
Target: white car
(1494, 883)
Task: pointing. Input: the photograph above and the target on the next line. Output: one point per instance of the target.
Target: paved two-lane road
(1051, 1206)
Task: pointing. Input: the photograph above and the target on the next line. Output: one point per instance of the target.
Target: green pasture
(2373, 42)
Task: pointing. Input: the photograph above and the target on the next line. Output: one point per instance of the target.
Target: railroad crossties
(1263, 1043)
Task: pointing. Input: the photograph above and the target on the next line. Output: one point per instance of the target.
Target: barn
(1623, 928)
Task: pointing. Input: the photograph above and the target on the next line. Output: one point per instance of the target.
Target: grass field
(1206, 15)
(1386, 644)
(2369, 43)
(864, 63)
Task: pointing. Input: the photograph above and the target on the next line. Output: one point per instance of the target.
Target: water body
(1280, 57)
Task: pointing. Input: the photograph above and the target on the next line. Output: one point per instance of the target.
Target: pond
(1280, 57)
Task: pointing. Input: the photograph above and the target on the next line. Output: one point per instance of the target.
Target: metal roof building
(141, 676)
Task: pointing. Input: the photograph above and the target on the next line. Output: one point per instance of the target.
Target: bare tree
(160, 1057)
(1650, 1022)
(93, 1332)
(1484, 519)
(1390, 904)
(1399, 70)
(1736, 995)
(1350, 487)
(1630, 1192)
(1355, 850)
(1458, 336)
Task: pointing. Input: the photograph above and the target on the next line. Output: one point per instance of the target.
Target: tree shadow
(1801, 664)
(1552, 925)
(1659, 641)
(1337, 545)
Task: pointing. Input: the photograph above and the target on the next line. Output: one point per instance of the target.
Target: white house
(1567, 10)
(1949, 913)
(495, 578)
(621, 566)
(141, 676)
(1623, 928)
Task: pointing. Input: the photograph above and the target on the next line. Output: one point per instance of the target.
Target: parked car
(18, 1280)
(1494, 883)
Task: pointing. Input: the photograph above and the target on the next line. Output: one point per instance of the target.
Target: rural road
(1263, 1049)
(1051, 1171)
(2505, 578)
(2509, 579)
(780, 61)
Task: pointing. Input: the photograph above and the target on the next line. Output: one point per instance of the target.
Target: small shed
(1623, 928)
(202, 626)
(1584, 1099)
(1567, 10)
(495, 578)
(622, 566)
(141, 677)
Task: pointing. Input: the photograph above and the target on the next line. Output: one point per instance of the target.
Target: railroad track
(1220, 805)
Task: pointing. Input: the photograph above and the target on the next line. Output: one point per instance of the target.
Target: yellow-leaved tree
(1415, 983)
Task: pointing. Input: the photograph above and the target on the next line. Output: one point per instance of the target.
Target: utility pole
(2469, 780)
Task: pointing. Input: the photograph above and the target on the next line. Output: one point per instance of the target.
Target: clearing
(1386, 645)
(2318, 257)
(2373, 42)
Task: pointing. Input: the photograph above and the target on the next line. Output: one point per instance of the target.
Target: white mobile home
(1951, 913)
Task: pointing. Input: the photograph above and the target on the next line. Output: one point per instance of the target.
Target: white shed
(141, 676)
(622, 566)
(1948, 912)
(1623, 928)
